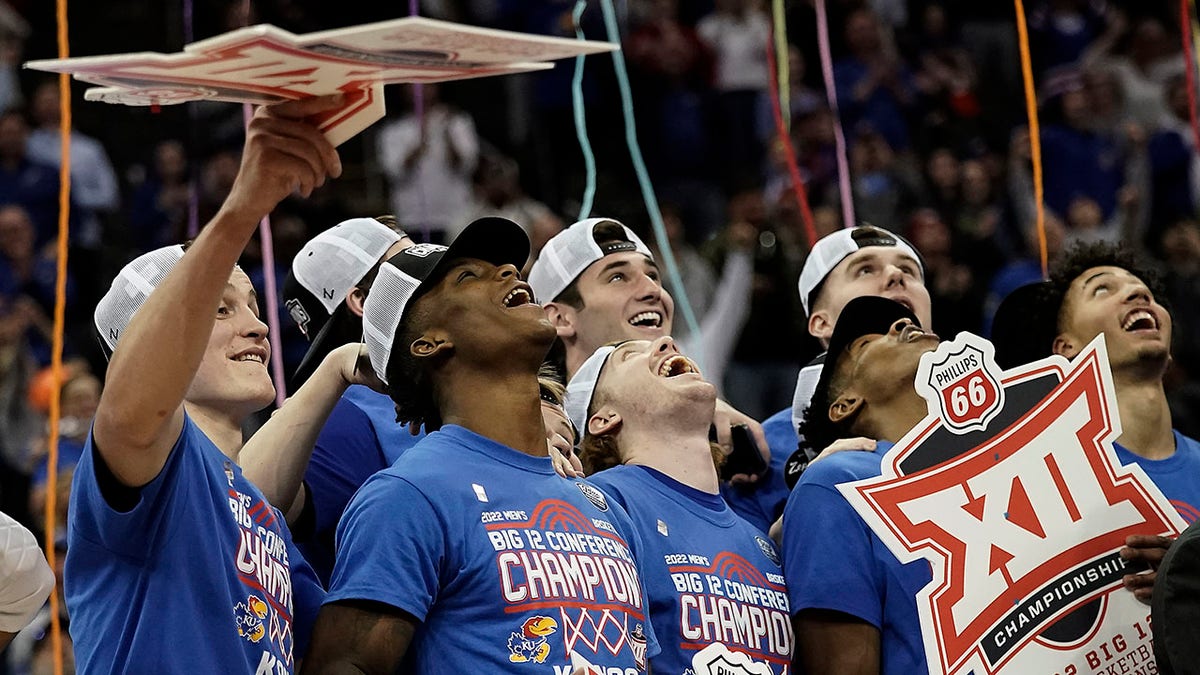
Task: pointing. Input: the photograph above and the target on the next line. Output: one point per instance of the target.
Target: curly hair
(817, 431)
(409, 382)
(1083, 257)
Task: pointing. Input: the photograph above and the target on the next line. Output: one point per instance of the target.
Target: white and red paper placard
(1020, 512)
(265, 64)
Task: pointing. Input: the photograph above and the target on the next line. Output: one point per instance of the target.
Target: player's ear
(820, 325)
(562, 317)
(846, 406)
(1065, 345)
(355, 299)
(604, 421)
(430, 344)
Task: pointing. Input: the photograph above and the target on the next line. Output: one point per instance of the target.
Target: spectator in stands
(497, 192)
(25, 181)
(873, 83)
(737, 32)
(94, 188)
(159, 208)
(29, 274)
(429, 157)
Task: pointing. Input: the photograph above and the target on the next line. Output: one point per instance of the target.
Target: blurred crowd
(930, 102)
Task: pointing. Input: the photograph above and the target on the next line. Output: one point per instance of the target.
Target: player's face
(881, 364)
(645, 378)
(233, 375)
(488, 310)
(559, 433)
(1113, 301)
(885, 271)
(623, 299)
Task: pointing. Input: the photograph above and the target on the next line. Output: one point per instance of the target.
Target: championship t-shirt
(711, 576)
(1178, 476)
(508, 567)
(200, 576)
(360, 437)
(834, 561)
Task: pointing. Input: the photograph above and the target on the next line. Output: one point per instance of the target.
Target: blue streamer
(585, 145)
(639, 167)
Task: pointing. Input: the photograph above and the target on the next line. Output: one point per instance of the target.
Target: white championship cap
(413, 271)
(833, 248)
(329, 266)
(582, 387)
(134, 283)
(569, 253)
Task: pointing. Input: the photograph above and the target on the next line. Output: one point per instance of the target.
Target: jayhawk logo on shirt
(250, 615)
(529, 644)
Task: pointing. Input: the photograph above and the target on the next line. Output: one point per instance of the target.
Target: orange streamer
(1035, 134)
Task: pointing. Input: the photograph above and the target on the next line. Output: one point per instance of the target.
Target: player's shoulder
(1187, 444)
(842, 467)
(618, 482)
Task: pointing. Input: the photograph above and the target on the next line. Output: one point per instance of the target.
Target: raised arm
(141, 410)
(276, 456)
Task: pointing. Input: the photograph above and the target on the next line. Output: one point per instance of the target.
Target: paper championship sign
(264, 64)
(1011, 490)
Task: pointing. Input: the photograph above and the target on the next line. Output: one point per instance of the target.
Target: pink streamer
(831, 95)
(274, 335)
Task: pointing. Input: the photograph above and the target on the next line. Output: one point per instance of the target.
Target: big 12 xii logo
(1011, 490)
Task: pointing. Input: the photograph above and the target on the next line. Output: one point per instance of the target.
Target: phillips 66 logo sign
(1012, 492)
(959, 383)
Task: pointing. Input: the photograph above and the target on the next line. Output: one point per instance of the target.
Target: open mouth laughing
(1139, 320)
(676, 365)
(647, 319)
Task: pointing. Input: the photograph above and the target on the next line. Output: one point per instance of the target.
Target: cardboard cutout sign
(1020, 512)
(264, 64)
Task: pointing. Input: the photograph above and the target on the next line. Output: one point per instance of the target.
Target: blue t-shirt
(507, 566)
(200, 576)
(710, 575)
(1178, 476)
(360, 437)
(761, 502)
(834, 561)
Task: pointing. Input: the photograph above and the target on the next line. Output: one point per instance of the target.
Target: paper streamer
(782, 70)
(843, 165)
(1035, 134)
(585, 144)
(1187, 31)
(783, 130)
(643, 177)
(60, 325)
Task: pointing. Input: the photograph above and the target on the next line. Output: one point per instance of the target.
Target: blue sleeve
(346, 454)
(392, 546)
(138, 532)
(828, 556)
(307, 595)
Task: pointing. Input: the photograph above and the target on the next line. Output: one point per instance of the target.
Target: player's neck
(890, 421)
(1145, 417)
(686, 457)
(503, 406)
(222, 428)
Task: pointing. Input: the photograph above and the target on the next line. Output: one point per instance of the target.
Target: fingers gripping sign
(284, 153)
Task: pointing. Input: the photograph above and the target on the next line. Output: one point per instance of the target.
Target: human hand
(844, 444)
(724, 419)
(1148, 550)
(283, 154)
(561, 461)
(355, 366)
